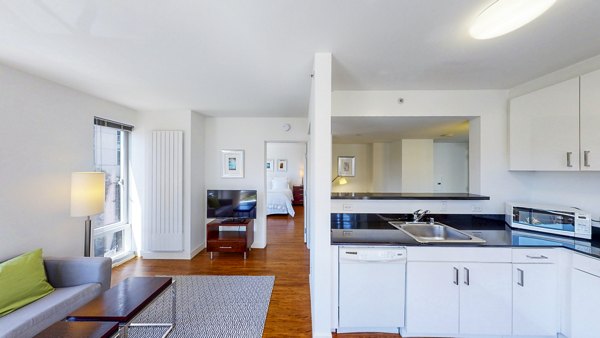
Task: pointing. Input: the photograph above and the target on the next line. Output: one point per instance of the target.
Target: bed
(279, 198)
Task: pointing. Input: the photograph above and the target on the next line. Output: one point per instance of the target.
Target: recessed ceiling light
(504, 16)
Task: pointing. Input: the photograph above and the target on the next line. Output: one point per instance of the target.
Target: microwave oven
(565, 221)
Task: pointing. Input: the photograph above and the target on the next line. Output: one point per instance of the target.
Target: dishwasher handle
(350, 255)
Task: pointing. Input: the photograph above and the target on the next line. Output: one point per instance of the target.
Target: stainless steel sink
(435, 233)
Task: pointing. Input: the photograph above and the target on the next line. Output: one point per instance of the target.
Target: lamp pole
(88, 237)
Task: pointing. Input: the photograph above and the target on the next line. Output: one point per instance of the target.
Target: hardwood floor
(285, 257)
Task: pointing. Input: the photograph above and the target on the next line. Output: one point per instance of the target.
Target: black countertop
(492, 228)
(405, 196)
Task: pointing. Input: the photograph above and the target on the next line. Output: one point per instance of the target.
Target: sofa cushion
(22, 281)
(33, 318)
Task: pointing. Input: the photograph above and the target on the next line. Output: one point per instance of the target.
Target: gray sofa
(77, 281)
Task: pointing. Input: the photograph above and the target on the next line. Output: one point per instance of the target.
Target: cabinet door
(585, 297)
(432, 298)
(590, 121)
(535, 299)
(544, 129)
(486, 299)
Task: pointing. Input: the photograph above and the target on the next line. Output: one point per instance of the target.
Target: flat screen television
(231, 204)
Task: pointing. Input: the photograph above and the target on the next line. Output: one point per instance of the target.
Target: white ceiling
(253, 58)
(388, 129)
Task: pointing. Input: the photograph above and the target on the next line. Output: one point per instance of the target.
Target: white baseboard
(165, 255)
(197, 250)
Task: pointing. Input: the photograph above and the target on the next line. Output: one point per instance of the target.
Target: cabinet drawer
(225, 246)
(535, 255)
(458, 254)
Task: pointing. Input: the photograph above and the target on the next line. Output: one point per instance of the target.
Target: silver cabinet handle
(569, 154)
(521, 277)
(586, 158)
(456, 276)
(467, 276)
(537, 257)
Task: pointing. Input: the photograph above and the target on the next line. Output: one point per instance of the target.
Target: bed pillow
(279, 183)
(22, 281)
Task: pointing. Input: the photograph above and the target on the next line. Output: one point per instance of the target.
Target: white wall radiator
(165, 192)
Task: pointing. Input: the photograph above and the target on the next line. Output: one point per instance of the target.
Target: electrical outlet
(444, 206)
(477, 208)
(347, 207)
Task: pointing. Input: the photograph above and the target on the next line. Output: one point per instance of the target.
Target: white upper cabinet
(544, 129)
(590, 121)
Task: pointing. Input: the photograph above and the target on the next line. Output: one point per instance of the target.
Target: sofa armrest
(72, 271)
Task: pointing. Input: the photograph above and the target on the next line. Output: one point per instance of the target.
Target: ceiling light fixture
(504, 16)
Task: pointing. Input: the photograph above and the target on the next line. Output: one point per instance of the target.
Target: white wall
(250, 135)
(198, 188)
(417, 169)
(393, 181)
(294, 153)
(488, 136)
(363, 159)
(379, 167)
(168, 120)
(46, 133)
(451, 167)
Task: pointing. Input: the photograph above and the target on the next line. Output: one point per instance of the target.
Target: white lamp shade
(87, 193)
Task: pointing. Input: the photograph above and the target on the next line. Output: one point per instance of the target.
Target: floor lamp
(87, 199)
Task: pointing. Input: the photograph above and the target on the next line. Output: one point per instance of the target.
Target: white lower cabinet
(535, 292)
(535, 300)
(585, 297)
(486, 299)
(450, 298)
(432, 297)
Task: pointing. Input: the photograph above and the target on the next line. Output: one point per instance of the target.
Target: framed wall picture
(232, 163)
(346, 166)
(270, 166)
(282, 165)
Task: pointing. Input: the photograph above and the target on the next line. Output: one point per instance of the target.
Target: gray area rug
(211, 306)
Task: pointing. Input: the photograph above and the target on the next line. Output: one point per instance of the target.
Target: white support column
(319, 195)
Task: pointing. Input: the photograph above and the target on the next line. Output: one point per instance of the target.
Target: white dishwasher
(372, 282)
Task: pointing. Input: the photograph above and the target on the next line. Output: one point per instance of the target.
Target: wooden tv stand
(238, 240)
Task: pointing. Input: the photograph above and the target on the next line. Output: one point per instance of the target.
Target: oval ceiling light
(504, 16)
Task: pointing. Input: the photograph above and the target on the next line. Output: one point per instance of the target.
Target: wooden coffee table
(80, 329)
(123, 302)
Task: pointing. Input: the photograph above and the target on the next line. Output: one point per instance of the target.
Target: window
(112, 230)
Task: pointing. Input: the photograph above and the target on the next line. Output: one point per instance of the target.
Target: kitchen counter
(405, 196)
(373, 229)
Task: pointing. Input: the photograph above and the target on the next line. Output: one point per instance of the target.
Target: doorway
(285, 182)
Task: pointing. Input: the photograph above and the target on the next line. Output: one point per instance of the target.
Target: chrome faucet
(419, 214)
